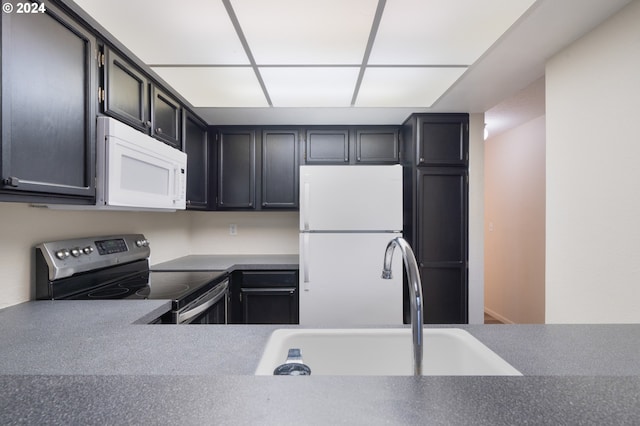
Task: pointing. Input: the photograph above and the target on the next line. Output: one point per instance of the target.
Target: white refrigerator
(348, 215)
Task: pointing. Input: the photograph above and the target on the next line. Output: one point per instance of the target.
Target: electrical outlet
(233, 229)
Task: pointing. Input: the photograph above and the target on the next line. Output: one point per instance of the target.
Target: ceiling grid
(371, 60)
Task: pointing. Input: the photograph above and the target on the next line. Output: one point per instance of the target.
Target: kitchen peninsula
(98, 362)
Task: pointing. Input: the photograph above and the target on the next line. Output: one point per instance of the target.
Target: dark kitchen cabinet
(264, 297)
(352, 145)
(435, 208)
(442, 139)
(257, 168)
(197, 147)
(166, 116)
(126, 91)
(49, 86)
(131, 97)
(377, 146)
(236, 169)
(442, 243)
(279, 186)
(327, 146)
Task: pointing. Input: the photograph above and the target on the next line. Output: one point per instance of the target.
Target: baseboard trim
(498, 316)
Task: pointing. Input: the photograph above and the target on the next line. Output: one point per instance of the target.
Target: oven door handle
(218, 293)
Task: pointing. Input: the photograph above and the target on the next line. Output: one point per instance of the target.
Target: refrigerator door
(351, 198)
(341, 284)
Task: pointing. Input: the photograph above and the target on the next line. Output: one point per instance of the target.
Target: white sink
(384, 352)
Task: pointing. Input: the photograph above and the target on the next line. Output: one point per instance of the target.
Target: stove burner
(166, 292)
(108, 293)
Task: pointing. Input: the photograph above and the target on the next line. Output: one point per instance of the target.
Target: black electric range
(117, 267)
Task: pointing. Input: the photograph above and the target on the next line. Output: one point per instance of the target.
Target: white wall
(171, 234)
(515, 223)
(593, 176)
(22, 227)
(476, 219)
(257, 232)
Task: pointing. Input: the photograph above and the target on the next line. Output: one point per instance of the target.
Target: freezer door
(341, 284)
(351, 198)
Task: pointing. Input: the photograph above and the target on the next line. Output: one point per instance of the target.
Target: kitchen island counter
(96, 362)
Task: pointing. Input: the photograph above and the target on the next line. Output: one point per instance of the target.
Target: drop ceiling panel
(442, 32)
(169, 31)
(215, 86)
(407, 87)
(310, 86)
(311, 32)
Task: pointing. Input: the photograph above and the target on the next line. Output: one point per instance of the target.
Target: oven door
(210, 308)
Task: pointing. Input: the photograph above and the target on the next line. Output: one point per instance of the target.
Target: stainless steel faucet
(415, 292)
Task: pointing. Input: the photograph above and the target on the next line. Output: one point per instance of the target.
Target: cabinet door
(443, 140)
(269, 305)
(49, 92)
(196, 145)
(236, 169)
(166, 115)
(442, 243)
(279, 169)
(377, 146)
(269, 297)
(327, 146)
(126, 95)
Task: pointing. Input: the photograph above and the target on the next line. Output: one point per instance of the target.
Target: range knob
(76, 252)
(87, 250)
(62, 254)
(142, 243)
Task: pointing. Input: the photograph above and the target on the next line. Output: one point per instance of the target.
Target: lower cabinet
(264, 297)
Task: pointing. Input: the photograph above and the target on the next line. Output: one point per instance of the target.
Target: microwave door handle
(177, 183)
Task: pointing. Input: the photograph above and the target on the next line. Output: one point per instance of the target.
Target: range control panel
(68, 257)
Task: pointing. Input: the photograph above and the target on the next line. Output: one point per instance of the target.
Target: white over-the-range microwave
(135, 171)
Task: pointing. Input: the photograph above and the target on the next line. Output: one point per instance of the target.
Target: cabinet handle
(11, 181)
(305, 261)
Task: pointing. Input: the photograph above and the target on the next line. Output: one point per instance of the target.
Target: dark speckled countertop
(97, 362)
(221, 262)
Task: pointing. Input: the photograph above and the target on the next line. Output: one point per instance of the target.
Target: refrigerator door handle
(305, 207)
(305, 262)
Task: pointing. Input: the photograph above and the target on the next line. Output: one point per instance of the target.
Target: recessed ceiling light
(405, 87)
(216, 87)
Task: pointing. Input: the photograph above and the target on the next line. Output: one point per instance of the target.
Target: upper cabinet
(257, 168)
(327, 146)
(48, 108)
(131, 97)
(352, 145)
(377, 145)
(196, 145)
(279, 188)
(166, 114)
(126, 91)
(237, 169)
(442, 139)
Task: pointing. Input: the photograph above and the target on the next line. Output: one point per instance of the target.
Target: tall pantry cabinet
(435, 159)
